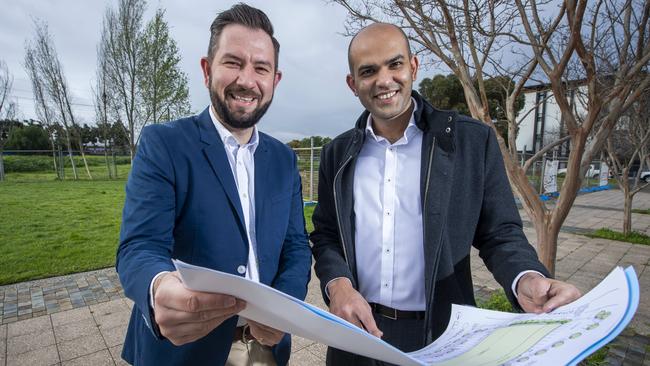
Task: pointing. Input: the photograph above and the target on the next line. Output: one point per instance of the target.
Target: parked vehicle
(645, 176)
(593, 172)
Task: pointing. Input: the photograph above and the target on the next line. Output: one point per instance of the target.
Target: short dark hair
(247, 16)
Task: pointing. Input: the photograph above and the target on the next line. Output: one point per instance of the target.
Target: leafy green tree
(163, 86)
(306, 142)
(29, 137)
(446, 92)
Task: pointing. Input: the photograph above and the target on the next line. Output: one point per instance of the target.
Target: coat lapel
(215, 152)
(262, 163)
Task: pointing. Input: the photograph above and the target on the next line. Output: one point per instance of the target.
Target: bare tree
(42, 106)
(628, 145)
(7, 111)
(42, 56)
(100, 93)
(480, 39)
(121, 50)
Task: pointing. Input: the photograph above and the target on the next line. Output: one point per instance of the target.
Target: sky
(311, 99)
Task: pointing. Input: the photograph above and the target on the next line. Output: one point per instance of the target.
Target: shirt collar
(228, 139)
(411, 128)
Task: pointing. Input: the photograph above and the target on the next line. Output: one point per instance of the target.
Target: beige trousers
(250, 354)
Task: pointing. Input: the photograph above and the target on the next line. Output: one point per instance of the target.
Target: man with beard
(213, 191)
(403, 197)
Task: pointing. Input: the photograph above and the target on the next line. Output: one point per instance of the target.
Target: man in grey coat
(402, 198)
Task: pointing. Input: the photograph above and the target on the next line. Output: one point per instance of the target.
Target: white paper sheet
(269, 306)
(474, 336)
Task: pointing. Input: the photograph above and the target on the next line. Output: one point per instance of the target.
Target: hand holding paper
(183, 315)
(538, 294)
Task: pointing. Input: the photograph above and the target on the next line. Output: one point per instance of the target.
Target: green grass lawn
(51, 228)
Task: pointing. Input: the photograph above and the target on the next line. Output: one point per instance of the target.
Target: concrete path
(81, 319)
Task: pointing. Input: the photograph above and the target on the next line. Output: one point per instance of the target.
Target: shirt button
(244, 195)
(241, 269)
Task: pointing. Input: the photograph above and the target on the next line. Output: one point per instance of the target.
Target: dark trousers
(405, 334)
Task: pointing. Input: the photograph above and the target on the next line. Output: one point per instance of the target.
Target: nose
(384, 77)
(246, 77)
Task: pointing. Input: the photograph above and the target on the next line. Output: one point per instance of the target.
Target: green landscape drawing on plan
(504, 344)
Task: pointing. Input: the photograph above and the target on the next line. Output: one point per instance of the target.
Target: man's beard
(229, 118)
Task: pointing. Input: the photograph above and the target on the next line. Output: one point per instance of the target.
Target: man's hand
(184, 316)
(348, 304)
(538, 294)
(264, 334)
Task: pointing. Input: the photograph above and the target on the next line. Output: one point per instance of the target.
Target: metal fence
(51, 165)
(308, 164)
(536, 172)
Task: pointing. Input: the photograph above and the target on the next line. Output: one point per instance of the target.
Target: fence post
(311, 169)
(61, 171)
(2, 167)
(541, 176)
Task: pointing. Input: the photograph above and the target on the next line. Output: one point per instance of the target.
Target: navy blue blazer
(182, 202)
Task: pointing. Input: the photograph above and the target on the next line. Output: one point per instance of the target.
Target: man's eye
(366, 72)
(396, 64)
(262, 70)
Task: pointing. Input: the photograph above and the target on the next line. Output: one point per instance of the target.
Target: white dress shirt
(388, 220)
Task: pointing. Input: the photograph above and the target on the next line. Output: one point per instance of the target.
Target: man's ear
(205, 67)
(277, 78)
(350, 81)
(414, 66)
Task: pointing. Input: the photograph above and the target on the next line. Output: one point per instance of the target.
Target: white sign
(604, 175)
(550, 176)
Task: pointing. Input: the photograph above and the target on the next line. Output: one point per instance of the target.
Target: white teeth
(243, 99)
(387, 95)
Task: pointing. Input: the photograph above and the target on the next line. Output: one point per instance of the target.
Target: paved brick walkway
(81, 319)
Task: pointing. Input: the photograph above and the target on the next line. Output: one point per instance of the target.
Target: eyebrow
(387, 62)
(256, 62)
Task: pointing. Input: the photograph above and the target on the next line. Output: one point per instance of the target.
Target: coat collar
(428, 119)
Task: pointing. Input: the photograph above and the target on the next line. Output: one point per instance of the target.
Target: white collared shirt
(388, 219)
(242, 164)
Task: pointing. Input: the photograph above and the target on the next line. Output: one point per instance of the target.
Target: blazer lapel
(262, 162)
(215, 152)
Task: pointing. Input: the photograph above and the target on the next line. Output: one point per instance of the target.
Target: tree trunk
(627, 214)
(547, 233)
(69, 145)
(54, 158)
(83, 157)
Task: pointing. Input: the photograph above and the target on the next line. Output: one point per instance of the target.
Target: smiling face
(241, 76)
(382, 71)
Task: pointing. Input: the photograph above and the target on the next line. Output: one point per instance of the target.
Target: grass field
(51, 228)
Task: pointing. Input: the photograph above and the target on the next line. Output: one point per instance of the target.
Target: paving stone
(82, 346)
(101, 358)
(114, 336)
(305, 357)
(73, 330)
(35, 325)
(116, 353)
(28, 342)
(71, 316)
(38, 357)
